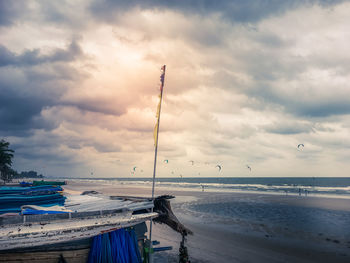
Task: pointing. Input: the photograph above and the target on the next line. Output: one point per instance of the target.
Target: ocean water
(269, 218)
(323, 186)
(279, 219)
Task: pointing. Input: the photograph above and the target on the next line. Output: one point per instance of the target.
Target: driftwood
(166, 215)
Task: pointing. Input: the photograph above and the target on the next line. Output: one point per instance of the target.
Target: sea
(317, 186)
(256, 214)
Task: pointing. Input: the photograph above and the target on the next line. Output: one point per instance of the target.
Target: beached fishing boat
(39, 218)
(69, 232)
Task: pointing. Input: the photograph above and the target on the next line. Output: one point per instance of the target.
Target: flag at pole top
(156, 127)
(162, 78)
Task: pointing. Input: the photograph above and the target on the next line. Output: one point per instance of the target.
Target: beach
(246, 227)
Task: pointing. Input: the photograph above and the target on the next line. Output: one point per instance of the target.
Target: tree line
(6, 171)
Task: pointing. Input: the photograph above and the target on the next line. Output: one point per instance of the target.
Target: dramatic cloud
(246, 82)
(11, 11)
(33, 57)
(31, 82)
(233, 11)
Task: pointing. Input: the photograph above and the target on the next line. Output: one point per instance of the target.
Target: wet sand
(235, 241)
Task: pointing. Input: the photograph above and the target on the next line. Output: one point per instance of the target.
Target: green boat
(42, 182)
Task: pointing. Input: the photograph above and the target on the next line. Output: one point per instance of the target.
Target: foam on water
(325, 186)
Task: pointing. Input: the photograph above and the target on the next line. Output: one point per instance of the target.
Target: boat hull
(70, 256)
(40, 233)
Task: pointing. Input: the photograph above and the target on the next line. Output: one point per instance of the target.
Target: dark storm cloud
(31, 83)
(19, 113)
(62, 13)
(44, 149)
(305, 106)
(322, 108)
(277, 79)
(10, 11)
(234, 11)
(286, 128)
(27, 88)
(102, 105)
(302, 104)
(33, 57)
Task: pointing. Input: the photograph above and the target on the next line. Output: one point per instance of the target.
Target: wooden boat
(49, 237)
(21, 232)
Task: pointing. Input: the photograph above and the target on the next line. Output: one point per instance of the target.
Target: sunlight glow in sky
(245, 84)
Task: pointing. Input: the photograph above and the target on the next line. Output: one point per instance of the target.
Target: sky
(246, 83)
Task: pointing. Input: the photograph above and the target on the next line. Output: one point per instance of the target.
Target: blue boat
(12, 198)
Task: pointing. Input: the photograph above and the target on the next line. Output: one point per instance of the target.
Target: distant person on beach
(202, 188)
(299, 191)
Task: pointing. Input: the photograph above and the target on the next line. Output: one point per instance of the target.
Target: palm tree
(6, 156)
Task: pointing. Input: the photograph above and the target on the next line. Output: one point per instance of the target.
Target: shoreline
(306, 190)
(198, 188)
(334, 203)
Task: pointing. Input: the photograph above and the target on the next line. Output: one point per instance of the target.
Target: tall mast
(156, 128)
(156, 132)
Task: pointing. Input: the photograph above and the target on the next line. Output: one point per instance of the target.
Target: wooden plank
(73, 256)
(26, 236)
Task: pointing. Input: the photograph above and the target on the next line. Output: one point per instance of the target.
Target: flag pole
(162, 76)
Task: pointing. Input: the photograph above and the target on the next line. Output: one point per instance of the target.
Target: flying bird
(218, 166)
(250, 169)
(191, 162)
(166, 161)
(134, 168)
(300, 144)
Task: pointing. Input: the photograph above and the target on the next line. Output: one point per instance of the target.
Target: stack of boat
(12, 198)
